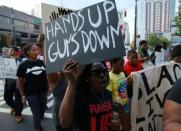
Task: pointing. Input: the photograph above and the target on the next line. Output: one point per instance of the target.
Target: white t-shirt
(159, 58)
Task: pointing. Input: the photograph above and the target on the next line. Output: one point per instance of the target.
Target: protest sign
(149, 91)
(88, 35)
(8, 68)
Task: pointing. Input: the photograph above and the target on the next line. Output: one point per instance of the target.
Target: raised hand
(71, 70)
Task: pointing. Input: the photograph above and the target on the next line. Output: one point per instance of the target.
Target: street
(8, 122)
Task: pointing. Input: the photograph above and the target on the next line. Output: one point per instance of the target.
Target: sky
(25, 5)
(28, 5)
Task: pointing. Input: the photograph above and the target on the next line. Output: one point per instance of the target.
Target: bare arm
(71, 72)
(53, 79)
(20, 82)
(171, 116)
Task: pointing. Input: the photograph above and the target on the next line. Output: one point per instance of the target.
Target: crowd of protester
(80, 96)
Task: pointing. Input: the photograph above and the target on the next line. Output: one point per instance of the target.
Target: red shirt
(128, 68)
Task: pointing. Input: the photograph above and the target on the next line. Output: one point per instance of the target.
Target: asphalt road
(8, 122)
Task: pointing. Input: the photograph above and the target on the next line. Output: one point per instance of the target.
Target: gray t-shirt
(175, 92)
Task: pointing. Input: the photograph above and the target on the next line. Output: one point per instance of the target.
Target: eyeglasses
(98, 73)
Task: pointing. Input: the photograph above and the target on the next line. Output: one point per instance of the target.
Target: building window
(37, 27)
(4, 19)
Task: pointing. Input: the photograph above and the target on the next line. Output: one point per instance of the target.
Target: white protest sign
(8, 68)
(149, 91)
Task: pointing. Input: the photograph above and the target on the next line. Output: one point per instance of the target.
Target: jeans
(37, 105)
(10, 91)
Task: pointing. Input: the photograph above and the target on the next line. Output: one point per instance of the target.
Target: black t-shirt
(91, 113)
(35, 77)
(175, 92)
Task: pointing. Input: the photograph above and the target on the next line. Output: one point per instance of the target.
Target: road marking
(1, 98)
(5, 110)
(2, 102)
(26, 111)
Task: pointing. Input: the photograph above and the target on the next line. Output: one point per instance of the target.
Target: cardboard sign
(88, 35)
(149, 92)
(8, 68)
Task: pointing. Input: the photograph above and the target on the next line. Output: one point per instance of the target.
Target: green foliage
(152, 40)
(165, 42)
(178, 21)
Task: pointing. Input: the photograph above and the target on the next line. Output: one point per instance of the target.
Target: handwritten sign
(8, 68)
(88, 35)
(149, 92)
(61, 11)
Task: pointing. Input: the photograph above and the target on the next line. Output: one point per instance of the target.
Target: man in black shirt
(172, 109)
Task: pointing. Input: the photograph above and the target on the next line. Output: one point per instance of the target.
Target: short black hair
(176, 51)
(114, 60)
(15, 48)
(158, 47)
(143, 42)
(28, 48)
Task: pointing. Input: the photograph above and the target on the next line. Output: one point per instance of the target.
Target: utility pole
(13, 27)
(135, 26)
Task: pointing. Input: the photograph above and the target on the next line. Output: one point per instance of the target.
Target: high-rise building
(172, 9)
(141, 21)
(154, 16)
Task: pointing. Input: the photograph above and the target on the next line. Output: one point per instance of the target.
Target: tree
(164, 41)
(178, 20)
(152, 40)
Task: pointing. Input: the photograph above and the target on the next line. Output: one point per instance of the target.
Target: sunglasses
(98, 73)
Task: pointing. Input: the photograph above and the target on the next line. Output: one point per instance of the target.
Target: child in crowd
(118, 87)
(133, 64)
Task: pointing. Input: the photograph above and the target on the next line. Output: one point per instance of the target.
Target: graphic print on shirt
(36, 70)
(104, 108)
(122, 91)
